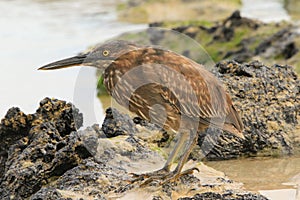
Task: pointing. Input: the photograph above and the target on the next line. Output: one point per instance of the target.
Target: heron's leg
(186, 152)
(163, 175)
(192, 142)
(163, 172)
(166, 169)
(175, 151)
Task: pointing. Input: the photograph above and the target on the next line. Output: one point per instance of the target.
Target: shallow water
(277, 178)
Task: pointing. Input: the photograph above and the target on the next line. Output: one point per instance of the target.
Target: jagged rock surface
(51, 160)
(37, 148)
(268, 98)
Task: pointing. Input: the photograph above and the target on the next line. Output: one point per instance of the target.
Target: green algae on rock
(242, 39)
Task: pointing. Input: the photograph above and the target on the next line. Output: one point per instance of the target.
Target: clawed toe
(189, 171)
(161, 176)
(149, 177)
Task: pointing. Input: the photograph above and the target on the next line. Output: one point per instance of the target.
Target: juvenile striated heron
(139, 78)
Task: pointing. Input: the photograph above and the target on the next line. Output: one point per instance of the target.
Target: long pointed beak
(64, 63)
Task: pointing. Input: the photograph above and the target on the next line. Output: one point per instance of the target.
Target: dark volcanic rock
(13, 127)
(235, 38)
(65, 116)
(37, 148)
(225, 31)
(268, 99)
(48, 194)
(48, 162)
(107, 175)
(225, 196)
(117, 124)
(281, 43)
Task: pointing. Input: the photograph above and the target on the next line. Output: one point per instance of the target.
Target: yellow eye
(105, 53)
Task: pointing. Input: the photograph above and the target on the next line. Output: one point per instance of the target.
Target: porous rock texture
(34, 148)
(44, 156)
(268, 99)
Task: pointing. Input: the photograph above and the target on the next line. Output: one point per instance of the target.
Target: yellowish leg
(193, 141)
(164, 174)
(175, 151)
(167, 167)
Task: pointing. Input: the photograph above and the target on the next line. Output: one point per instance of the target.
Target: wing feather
(176, 81)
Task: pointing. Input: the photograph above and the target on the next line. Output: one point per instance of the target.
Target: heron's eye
(105, 53)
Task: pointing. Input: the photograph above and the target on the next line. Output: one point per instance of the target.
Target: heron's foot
(173, 176)
(159, 173)
(161, 176)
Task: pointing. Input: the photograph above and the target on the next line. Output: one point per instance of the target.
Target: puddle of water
(274, 177)
(35, 32)
(265, 10)
(290, 194)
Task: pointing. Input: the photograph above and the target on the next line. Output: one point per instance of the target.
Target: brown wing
(199, 93)
(181, 85)
(213, 105)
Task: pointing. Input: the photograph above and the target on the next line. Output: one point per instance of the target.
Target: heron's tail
(233, 123)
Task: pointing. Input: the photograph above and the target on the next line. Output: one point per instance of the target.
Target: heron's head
(100, 57)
